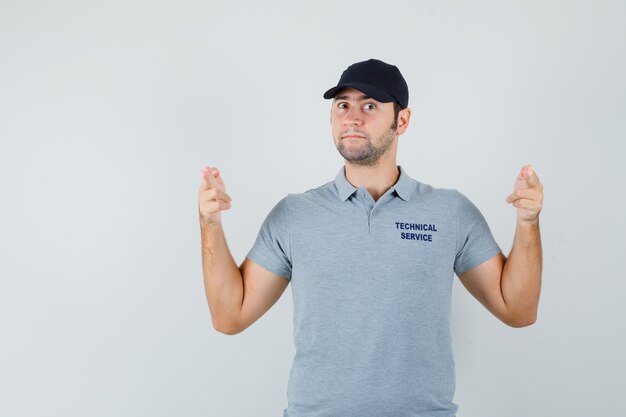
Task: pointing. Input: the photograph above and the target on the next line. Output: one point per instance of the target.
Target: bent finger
(216, 205)
(214, 194)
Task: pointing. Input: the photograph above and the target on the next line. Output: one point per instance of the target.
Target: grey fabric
(371, 284)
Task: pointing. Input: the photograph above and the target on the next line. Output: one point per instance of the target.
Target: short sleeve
(474, 242)
(271, 248)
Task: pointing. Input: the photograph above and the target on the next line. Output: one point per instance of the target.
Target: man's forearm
(521, 277)
(223, 283)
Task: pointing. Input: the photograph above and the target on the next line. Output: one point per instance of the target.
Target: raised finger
(207, 175)
(533, 179)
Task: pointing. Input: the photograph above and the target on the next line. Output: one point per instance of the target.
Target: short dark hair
(396, 112)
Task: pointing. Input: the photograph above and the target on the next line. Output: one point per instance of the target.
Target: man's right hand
(212, 197)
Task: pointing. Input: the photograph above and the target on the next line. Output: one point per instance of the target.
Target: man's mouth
(353, 137)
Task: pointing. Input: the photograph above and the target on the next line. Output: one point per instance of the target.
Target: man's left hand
(527, 195)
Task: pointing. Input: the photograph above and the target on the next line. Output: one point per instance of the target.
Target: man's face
(362, 126)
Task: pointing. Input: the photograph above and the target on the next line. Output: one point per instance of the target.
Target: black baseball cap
(377, 79)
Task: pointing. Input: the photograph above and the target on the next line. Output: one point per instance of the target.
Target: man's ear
(404, 116)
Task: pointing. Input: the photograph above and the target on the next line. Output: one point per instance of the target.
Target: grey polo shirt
(371, 284)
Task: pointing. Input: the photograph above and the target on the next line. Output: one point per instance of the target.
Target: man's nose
(353, 117)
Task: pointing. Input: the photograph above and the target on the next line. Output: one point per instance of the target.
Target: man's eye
(369, 106)
(342, 105)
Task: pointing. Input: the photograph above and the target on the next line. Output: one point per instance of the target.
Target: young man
(371, 257)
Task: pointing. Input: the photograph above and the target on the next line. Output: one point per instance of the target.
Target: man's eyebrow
(346, 97)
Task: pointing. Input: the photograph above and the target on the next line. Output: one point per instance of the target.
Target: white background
(109, 111)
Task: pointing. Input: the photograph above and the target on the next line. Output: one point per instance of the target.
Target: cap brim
(374, 92)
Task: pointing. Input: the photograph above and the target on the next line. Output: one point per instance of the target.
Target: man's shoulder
(325, 191)
(297, 201)
(430, 192)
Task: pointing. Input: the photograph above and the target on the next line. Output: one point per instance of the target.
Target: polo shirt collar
(403, 187)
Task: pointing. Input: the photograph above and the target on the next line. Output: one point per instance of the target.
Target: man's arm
(237, 297)
(510, 287)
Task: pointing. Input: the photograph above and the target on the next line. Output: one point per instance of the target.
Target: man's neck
(376, 178)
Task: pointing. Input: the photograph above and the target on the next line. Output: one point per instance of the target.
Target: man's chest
(391, 251)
